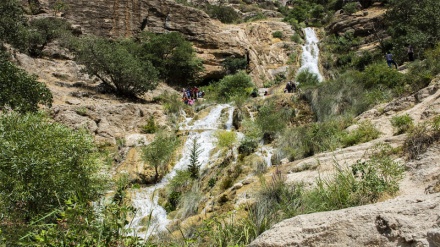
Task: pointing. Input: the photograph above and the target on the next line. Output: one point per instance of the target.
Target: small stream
(150, 217)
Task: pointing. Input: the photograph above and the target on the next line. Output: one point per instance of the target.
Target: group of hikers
(389, 56)
(290, 87)
(190, 95)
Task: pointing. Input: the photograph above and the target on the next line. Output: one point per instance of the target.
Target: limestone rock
(400, 222)
(213, 40)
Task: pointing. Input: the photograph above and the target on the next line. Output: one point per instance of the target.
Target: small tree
(13, 28)
(172, 55)
(159, 152)
(194, 165)
(114, 64)
(20, 91)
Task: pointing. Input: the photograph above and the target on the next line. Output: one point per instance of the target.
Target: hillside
(104, 151)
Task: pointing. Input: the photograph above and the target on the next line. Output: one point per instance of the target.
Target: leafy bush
(247, 146)
(232, 65)
(296, 38)
(150, 127)
(278, 34)
(350, 8)
(20, 91)
(44, 30)
(114, 64)
(43, 164)
(378, 74)
(179, 184)
(237, 85)
(13, 27)
(270, 120)
(189, 202)
(364, 133)
(225, 14)
(402, 123)
(306, 78)
(172, 56)
(226, 139)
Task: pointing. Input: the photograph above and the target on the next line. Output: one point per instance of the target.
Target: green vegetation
(402, 123)
(194, 166)
(20, 91)
(232, 65)
(350, 8)
(45, 168)
(13, 26)
(114, 64)
(172, 56)
(306, 78)
(413, 22)
(236, 85)
(278, 34)
(150, 127)
(158, 153)
(225, 14)
(42, 31)
(226, 139)
(421, 137)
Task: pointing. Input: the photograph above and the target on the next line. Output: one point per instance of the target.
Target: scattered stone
(73, 101)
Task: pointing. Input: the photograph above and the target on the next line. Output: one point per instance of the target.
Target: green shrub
(350, 8)
(13, 24)
(225, 14)
(278, 34)
(296, 38)
(226, 139)
(239, 84)
(232, 65)
(247, 146)
(150, 127)
(20, 91)
(270, 120)
(402, 123)
(43, 164)
(114, 64)
(378, 74)
(364, 133)
(42, 31)
(305, 78)
(172, 56)
(421, 137)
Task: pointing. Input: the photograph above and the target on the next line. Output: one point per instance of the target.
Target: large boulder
(408, 221)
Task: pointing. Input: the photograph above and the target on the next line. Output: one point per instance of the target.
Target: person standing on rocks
(390, 60)
(410, 53)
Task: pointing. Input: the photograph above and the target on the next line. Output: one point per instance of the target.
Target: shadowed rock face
(213, 41)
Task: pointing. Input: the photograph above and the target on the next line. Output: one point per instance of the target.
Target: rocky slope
(410, 219)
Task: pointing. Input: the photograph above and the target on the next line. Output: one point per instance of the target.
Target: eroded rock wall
(213, 41)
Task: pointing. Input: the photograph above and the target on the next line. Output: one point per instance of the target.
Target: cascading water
(310, 55)
(150, 217)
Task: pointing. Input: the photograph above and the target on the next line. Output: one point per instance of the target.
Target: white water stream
(150, 217)
(310, 55)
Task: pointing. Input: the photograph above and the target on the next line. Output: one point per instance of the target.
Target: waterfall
(310, 55)
(150, 217)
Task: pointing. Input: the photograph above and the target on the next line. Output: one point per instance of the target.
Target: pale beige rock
(212, 40)
(400, 222)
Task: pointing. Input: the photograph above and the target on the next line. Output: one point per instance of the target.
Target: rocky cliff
(213, 40)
